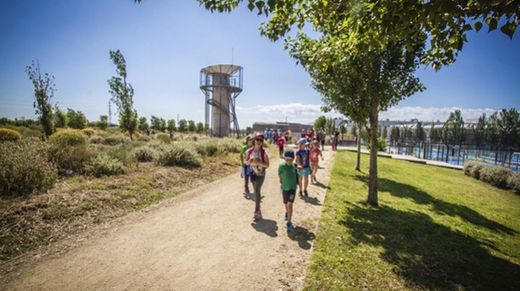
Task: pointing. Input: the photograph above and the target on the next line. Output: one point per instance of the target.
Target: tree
(123, 94)
(420, 135)
(493, 131)
(509, 130)
(60, 118)
(385, 133)
(320, 122)
(171, 127)
(342, 130)
(143, 125)
(103, 122)
(76, 119)
(435, 134)
(453, 130)
(200, 127)
(183, 125)
(191, 126)
(155, 123)
(162, 124)
(44, 89)
(439, 26)
(480, 131)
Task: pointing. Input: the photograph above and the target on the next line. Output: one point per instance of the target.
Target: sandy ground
(202, 240)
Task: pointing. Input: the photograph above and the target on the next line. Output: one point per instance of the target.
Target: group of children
(293, 172)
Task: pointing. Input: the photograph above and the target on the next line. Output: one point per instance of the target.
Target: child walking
(303, 165)
(288, 176)
(314, 155)
(281, 144)
(258, 160)
(246, 169)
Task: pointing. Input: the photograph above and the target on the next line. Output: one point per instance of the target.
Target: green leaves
(492, 23)
(509, 29)
(478, 25)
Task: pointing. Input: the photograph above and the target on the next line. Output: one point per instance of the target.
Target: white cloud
(307, 113)
(432, 113)
(292, 112)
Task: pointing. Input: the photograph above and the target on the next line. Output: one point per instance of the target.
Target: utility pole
(109, 113)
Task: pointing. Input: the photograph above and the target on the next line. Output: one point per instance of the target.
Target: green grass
(435, 229)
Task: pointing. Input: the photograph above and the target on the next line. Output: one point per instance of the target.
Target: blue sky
(166, 43)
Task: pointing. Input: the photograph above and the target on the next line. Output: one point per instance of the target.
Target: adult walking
(258, 160)
(335, 140)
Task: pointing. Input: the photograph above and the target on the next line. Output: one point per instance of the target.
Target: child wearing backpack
(288, 176)
(246, 170)
(258, 160)
(281, 144)
(314, 155)
(303, 165)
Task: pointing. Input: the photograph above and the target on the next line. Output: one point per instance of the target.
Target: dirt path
(201, 240)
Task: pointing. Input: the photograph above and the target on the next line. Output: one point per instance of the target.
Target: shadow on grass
(439, 206)
(429, 255)
(266, 226)
(302, 236)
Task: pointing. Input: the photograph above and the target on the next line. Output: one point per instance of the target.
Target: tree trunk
(358, 159)
(372, 183)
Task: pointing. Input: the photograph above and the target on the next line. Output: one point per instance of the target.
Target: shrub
(207, 148)
(179, 154)
(88, 131)
(104, 165)
(68, 137)
(144, 154)
(230, 145)
(472, 168)
(496, 176)
(115, 139)
(70, 159)
(143, 138)
(25, 168)
(7, 134)
(163, 137)
(96, 139)
(514, 182)
(381, 145)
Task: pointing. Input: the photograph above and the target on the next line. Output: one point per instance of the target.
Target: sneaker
(290, 227)
(246, 190)
(306, 193)
(285, 218)
(301, 193)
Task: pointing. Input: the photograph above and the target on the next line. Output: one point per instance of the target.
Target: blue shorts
(305, 172)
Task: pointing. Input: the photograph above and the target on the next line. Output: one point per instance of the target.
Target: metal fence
(458, 155)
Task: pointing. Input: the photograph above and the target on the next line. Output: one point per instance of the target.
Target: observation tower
(221, 85)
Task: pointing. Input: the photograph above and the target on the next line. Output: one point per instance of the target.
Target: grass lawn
(434, 229)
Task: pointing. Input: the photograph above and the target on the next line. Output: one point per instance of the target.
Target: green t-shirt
(244, 148)
(289, 176)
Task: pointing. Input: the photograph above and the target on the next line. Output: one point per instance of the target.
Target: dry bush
(178, 154)
(68, 137)
(104, 165)
(7, 134)
(89, 131)
(144, 154)
(165, 138)
(25, 168)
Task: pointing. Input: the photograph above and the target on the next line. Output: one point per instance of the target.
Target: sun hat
(302, 141)
(288, 155)
(259, 134)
